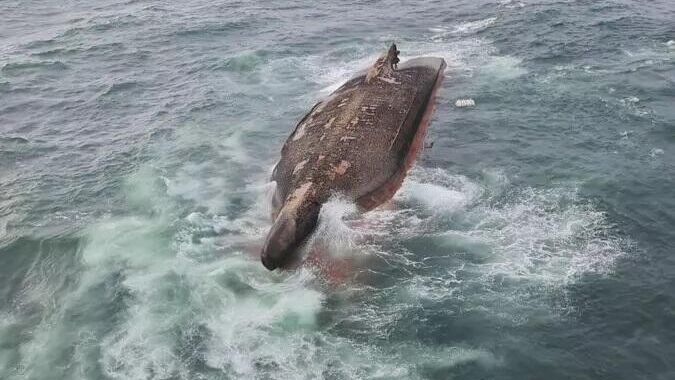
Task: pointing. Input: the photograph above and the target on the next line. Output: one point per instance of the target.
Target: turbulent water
(534, 240)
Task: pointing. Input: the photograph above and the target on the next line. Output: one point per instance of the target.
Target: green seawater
(534, 240)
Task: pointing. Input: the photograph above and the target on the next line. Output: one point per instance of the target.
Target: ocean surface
(534, 240)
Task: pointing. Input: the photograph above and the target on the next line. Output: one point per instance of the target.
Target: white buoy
(465, 103)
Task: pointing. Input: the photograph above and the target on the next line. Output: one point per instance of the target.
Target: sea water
(534, 240)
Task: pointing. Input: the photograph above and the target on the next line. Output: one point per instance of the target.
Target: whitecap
(442, 32)
(474, 26)
(333, 229)
(438, 190)
(507, 249)
(465, 56)
(502, 68)
(656, 152)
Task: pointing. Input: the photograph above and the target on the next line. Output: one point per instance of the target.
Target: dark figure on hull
(394, 52)
(360, 142)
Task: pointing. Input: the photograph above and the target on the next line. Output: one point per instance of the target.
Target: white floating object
(655, 152)
(465, 103)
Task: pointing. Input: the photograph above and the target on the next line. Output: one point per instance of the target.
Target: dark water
(533, 241)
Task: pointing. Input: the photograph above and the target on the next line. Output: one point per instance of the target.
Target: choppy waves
(184, 293)
(158, 277)
(191, 303)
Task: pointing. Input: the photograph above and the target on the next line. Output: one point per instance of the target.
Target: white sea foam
(440, 198)
(464, 56)
(439, 190)
(520, 251)
(511, 4)
(331, 73)
(541, 238)
(502, 68)
(655, 152)
(442, 32)
(205, 301)
(257, 322)
(632, 104)
(472, 26)
(333, 231)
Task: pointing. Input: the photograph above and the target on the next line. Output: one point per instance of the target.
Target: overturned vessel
(359, 142)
